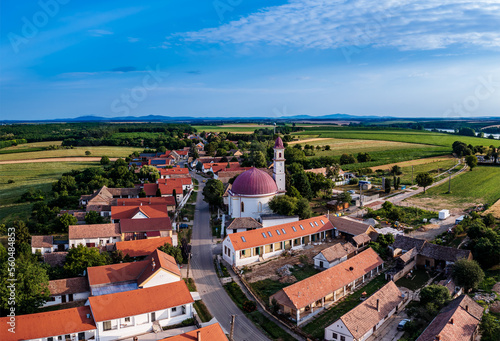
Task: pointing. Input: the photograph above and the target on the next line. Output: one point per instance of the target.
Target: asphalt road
(213, 295)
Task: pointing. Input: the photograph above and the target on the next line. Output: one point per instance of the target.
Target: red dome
(279, 143)
(254, 182)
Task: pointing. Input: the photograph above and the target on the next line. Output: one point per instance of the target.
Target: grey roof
(407, 243)
(338, 251)
(244, 223)
(348, 225)
(444, 253)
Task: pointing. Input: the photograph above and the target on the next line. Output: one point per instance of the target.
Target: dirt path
(413, 162)
(310, 140)
(57, 159)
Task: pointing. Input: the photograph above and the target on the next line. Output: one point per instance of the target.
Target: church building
(253, 189)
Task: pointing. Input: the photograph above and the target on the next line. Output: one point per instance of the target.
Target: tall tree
(471, 161)
(213, 191)
(424, 180)
(467, 273)
(81, 257)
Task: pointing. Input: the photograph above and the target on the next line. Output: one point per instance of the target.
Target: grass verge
(190, 284)
(202, 311)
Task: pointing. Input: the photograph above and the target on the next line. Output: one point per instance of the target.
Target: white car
(402, 324)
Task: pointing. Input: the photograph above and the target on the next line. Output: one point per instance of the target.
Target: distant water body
(497, 136)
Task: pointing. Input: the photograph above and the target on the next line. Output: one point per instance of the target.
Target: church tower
(279, 165)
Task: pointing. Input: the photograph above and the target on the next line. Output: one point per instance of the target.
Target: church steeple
(279, 164)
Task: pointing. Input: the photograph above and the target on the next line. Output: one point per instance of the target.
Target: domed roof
(254, 182)
(279, 143)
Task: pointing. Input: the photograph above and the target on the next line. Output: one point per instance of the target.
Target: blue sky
(62, 58)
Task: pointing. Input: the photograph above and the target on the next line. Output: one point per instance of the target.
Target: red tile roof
(168, 189)
(365, 316)
(51, 323)
(169, 201)
(256, 237)
(150, 211)
(175, 170)
(309, 290)
(150, 189)
(42, 241)
(93, 231)
(158, 260)
(142, 247)
(212, 332)
(145, 225)
(141, 301)
(68, 286)
(338, 251)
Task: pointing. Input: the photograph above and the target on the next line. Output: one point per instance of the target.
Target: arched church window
(279, 155)
(260, 207)
(242, 207)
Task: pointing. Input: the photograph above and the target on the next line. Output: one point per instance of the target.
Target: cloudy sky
(62, 58)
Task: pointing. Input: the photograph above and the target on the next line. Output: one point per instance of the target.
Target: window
(264, 235)
(81, 336)
(321, 264)
(260, 207)
(269, 233)
(294, 229)
(244, 240)
(311, 224)
(301, 227)
(242, 207)
(106, 325)
(335, 336)
(153, 317)
(322, 222)
(67, 337)
(315, 223)
(50, 339)
(278, 232)
(127, 319)
(279, 155)
(283, 230)
(342, 338)
(174, 309)
(52, 299)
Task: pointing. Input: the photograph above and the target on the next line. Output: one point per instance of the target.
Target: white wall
(326, 265)
(142, 323)
(43, 250)
(274, 222)
(74, 336)
(97, 241)
(161, 277)
(340, 329)
(251, 206)
(76, 297)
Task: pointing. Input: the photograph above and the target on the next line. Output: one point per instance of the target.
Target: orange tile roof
(365, 316)
(337, 251)
(169, 201)
(150, 211)
(168, 189)
(176, 181)
(142, 247)
(140, 301)
(309, 290)
(175, 170)
(256, 237)
(212, 332)
(41, 325)
(68, 286)
(160, 260)
(93, 231)
(465, 315)
(145, 225)
(42, 241)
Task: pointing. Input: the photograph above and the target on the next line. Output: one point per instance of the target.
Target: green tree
(424, 180)
(22, 233)
(396, 181)
(142, 193)
(471, 161)
(363, 157)
(303, 209)
(467, 273)
(64, 220)
(158, 192)
(93, 217)
(436, 294)
(87, 152)
(387, 185)
(301, 182)
(490, 327)
(31, 286)
(396, 170)
(347, 159)
(173, 251)
(81, 257)
(213, 191)
(258, 159)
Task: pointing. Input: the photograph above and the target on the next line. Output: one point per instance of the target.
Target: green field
(75, 152)
(26, 175)
(434, 168)
(409, 136)
(233, 128)
(481, 185)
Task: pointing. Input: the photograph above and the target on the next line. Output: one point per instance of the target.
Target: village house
(138, 212)
(304, 299)
(362, 321)
(252, 246)
(130, 313)
(211, 332)
(458, 321)
(68, 290)
(43, 244)
(93, 235)
(185, 182)
(242, 224)
(157, 269)
(142, 247)
(349, 228)
(169, 202)
(175, 172)
(134, 229)
(104, 196)
(333, 255)
(66, 324)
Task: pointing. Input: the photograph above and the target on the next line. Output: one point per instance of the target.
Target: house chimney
(378, 305)
(198, 336)
(451, 321)
(467, 308)
(141, 203)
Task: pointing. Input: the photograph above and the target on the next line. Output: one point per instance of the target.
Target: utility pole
(233, 317)
(449, 184)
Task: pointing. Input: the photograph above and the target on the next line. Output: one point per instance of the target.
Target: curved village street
(209, 287)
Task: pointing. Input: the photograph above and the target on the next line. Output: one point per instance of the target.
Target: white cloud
(323, 24)
(132, 40)
(100, 33)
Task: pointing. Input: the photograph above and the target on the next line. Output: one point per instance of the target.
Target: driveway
(389, 330)
(211, 291)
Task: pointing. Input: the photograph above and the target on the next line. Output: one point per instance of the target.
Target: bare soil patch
(57, 159)
(437, 204)
(494, 209)
(310, 140)
(413, 162)
(268, 270)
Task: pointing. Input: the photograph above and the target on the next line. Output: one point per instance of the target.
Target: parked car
(183, 226)
(402, 324)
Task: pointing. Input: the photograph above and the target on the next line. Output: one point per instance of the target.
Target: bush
(249, 306)
(10, 181)
(354, 181)
(87, 152)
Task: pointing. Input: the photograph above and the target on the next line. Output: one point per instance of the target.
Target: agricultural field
(232, 128)
(479, 186)
(75, 152)
(27, 175)
(408, 136)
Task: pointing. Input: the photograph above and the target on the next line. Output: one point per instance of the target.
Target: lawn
(409, 136)
(316, 327)
(75, 152)
(481, 185)
(418, 279)
(26, 175)
(202, 311)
